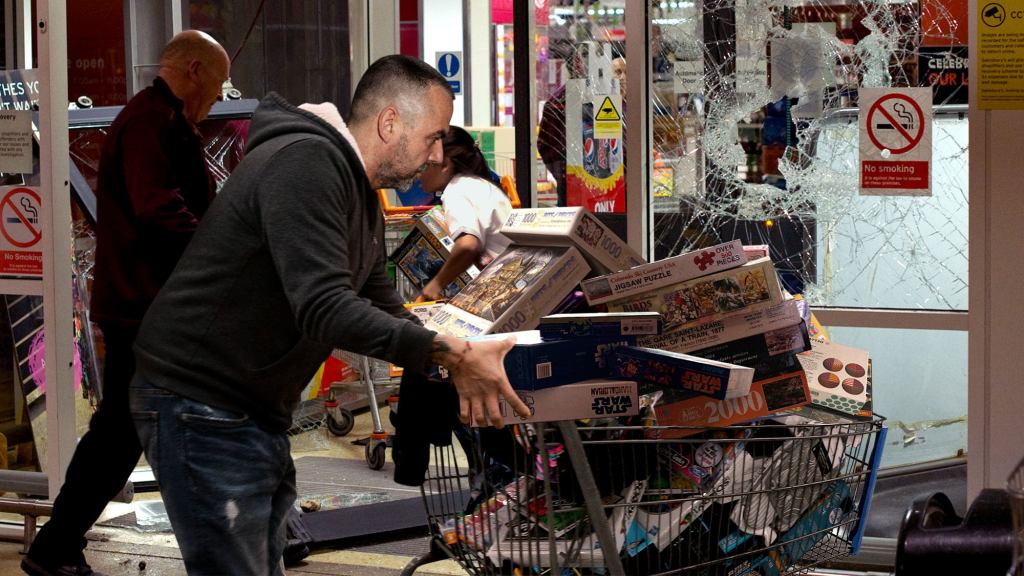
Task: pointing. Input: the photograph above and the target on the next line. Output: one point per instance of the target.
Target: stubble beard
(392, 174)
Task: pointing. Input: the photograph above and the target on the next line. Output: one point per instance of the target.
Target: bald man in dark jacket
(153, 189)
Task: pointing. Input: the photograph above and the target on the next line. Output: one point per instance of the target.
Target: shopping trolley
(777, 497)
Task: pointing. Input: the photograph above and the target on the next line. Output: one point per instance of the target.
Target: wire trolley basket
(778, 497)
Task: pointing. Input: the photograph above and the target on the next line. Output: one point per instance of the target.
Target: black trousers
(102, 462)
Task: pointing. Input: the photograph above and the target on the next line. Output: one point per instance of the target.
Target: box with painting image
(749, 287)
(513, 292)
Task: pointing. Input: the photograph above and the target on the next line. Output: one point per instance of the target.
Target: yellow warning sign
(608, 111)
(607, 120)
(1000, 56)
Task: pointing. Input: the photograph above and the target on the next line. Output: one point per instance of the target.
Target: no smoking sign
(895, 141)
(20, 232)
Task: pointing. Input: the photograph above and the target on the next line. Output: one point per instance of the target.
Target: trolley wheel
(375, 455)
(343, 424)
(393, 418)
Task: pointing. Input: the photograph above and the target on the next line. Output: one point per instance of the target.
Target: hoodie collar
(328, 112)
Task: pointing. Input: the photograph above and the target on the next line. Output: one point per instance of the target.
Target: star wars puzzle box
(424, 251)
(573, 226)
(513, 292)
(595, 398)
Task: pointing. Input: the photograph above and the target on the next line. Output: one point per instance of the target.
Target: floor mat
(330, 483)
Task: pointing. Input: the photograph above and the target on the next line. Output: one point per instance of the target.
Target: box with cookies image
(838, 377)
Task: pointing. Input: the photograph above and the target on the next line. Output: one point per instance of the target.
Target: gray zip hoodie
(287, 264)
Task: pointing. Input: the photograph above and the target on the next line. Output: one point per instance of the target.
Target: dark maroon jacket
(153, 188)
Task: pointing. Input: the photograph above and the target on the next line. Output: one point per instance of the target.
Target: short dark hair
(393, 78)
(465, 155)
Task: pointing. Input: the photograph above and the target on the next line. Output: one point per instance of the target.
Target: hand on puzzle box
(479, 377)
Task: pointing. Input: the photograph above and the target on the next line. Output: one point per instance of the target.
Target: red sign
(895, 123)
(20, 231)
(895, 141)
(944, 23)
(900, 175)
(96, 52)
(20, 212)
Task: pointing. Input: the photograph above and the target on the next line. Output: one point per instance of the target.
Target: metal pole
(591, 496)
(24, 34)
(524, 25)
(58, 319)
(639, 221)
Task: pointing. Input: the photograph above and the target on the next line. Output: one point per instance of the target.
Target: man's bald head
(192, 45)
(195, 67)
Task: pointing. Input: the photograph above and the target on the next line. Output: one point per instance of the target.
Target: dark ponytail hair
(461, 150)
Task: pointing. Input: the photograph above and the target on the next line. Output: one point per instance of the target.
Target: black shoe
(34, 568)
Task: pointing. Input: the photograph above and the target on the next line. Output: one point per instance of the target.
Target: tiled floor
(126, 551)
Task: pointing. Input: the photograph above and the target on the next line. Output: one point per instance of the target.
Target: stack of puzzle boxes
(729, 333)
(711, 332)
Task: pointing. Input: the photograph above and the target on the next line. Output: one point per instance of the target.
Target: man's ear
(387, 124)
(193, 67)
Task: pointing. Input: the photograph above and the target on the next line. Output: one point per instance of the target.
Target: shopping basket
(777, 497)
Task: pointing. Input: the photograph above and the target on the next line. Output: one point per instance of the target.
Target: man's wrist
(449, 352)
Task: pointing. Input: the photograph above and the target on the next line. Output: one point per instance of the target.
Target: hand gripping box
(673, 371)
(766, 397)
(574, 226)
(559, 326)
(728, 328)
(534, 363)
(598, 398)
(513, 292)
(647, 277)
(424, 251)
(838, 376)
(750, 287)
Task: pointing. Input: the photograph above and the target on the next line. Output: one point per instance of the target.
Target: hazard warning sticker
(607, 119)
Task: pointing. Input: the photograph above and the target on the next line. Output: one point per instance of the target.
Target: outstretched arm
(478, 371)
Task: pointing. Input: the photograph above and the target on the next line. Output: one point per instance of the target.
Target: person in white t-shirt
(475, 208)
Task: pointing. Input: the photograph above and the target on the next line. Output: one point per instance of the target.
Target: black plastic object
(934, 540)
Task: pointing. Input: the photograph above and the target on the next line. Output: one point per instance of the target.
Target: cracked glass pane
(773, 158)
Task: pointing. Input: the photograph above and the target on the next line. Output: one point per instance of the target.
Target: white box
(512, 293)
(588, 399)
(647, 277)
(572, 226)
(750, 287)
(837, 376)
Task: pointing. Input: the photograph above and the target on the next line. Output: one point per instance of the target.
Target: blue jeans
(227, 485)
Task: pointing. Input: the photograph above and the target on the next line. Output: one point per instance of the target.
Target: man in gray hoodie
(288, 264)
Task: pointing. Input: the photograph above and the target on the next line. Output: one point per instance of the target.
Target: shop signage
(607, 120)
(16, 141)
(945, 70)
(999, 78)
(19, 90)
(449, 64)
(594, 172)
(20, 233)
(895, 141)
